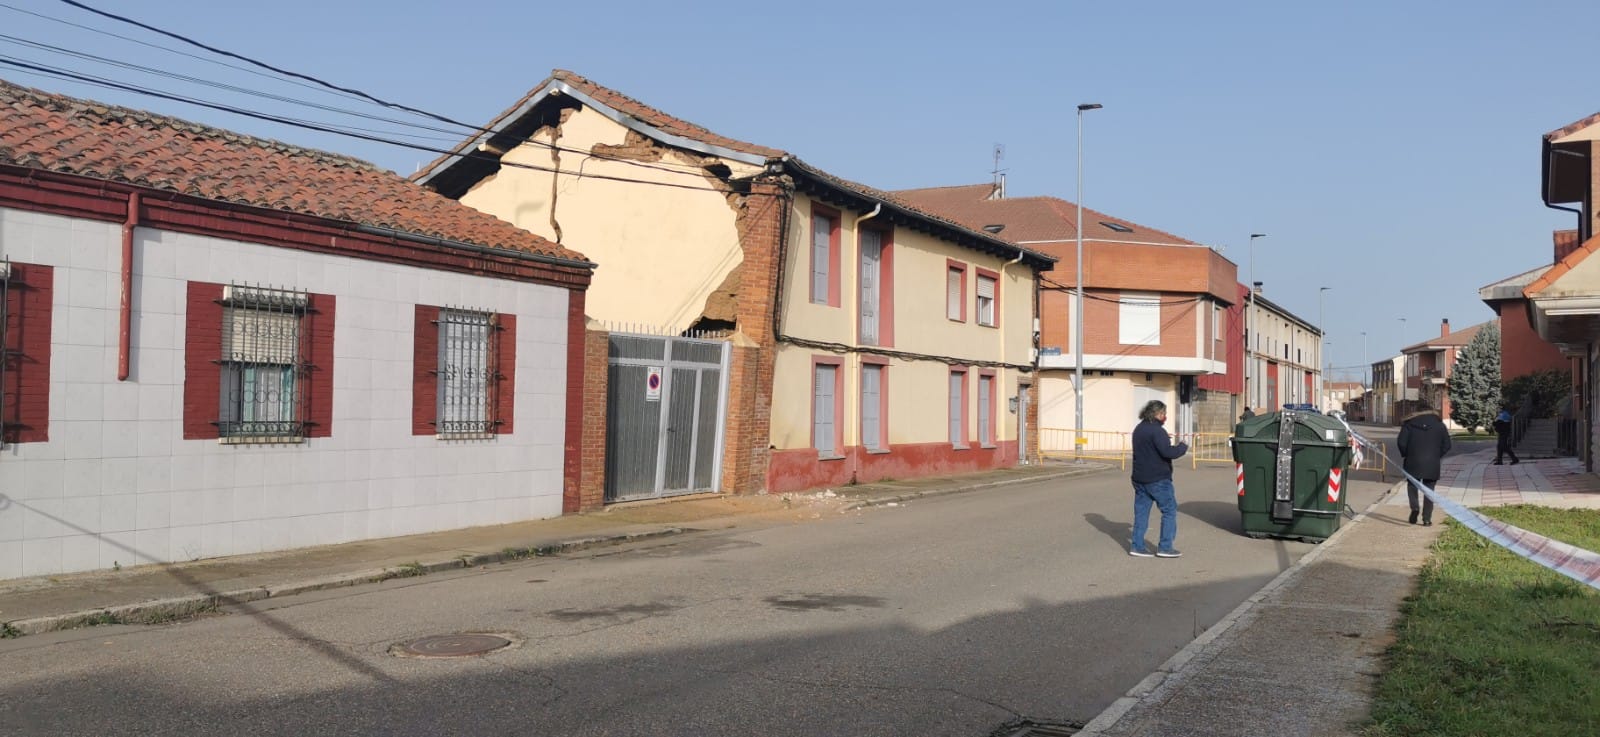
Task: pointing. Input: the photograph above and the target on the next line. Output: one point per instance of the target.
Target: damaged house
(857, 337)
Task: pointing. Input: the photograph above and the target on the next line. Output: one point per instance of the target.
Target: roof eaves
(1560, 268)
(1034, 258)
(1572, 128)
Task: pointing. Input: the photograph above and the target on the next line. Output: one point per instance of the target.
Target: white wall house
(292, 373)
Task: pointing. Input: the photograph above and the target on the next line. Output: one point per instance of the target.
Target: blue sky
(1390, 150)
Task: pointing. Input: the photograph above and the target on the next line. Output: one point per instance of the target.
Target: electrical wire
(320, 86)
(1058, 287)
(68, 75)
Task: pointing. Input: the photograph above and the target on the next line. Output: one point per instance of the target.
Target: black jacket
(1423, 442)
(1153, 452)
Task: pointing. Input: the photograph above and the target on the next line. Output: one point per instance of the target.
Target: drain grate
(451, 646)
(1036, 728)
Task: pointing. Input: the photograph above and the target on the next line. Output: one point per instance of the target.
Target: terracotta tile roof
(668, 124)
(1572, 128)
(1031, 218)
(1456, 338)
(1562, 267)
(39, 130)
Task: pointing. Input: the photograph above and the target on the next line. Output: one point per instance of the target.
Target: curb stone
(910, 495)
(162, 610)
(1172, 669)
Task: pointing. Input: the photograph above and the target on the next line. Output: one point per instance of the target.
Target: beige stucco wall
(918, 389)
(1110, 403)
(681, 242)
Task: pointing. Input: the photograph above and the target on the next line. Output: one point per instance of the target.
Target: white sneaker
(1168, 554)
(1139, 553)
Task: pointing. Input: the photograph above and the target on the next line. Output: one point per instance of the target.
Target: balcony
(1433, 376)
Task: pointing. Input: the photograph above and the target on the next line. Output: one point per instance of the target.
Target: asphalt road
(946, 616)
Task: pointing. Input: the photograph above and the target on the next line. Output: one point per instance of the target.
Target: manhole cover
(451, 646)
(1037, 728)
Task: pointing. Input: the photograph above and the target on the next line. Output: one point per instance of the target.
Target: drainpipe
(1000, 375)
(853, 359)
(125, 326)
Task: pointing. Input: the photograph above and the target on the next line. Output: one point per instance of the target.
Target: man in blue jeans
(1153, 453)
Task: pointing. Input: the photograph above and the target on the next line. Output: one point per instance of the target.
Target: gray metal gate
(665, 409)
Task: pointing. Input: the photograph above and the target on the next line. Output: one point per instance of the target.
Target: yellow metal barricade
(1209, 447)
(1061, 443)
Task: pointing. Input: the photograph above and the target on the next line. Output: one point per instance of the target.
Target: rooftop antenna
(999, 174)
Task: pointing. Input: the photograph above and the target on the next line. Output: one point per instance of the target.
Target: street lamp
(1250, 378)
(1367, 389)
(1077, 302)
(1322, 334)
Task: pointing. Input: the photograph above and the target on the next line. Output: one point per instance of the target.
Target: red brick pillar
(761, 219)
(597, 374)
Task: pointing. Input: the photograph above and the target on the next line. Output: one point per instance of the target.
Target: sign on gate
(652, 384)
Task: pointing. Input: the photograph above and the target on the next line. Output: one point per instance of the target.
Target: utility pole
(1077, 306)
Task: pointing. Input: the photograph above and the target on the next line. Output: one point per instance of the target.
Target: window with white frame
(958, 403)
(872, 407)
(466, 372)
(823, 227)
(986, 294)
(986, 411)
(871, 284)
(1139, 319)
(824, 425)
(956, 293)
(262, 364)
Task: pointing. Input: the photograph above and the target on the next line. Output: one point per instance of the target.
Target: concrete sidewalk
(1301, 655)
(157, 593)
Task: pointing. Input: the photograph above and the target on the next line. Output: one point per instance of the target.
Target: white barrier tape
(1571, 561)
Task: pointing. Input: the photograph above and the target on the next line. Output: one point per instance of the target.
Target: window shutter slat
(953, 295)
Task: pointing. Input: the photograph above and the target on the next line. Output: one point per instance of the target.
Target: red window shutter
(202, 349)
(319, 365)
(27, 354)
(506, 373)
(424, 371)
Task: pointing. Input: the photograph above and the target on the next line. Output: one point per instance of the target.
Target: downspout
(1000, 376)
(1583, 234)
(125, 324)
(853, 360)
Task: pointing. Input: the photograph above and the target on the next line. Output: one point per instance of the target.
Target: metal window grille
(467, 372)
(5, 344)
(263, 367)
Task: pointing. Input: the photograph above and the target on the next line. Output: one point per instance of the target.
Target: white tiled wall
(118, 484)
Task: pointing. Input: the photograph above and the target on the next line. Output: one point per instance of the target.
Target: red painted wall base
(800, 469)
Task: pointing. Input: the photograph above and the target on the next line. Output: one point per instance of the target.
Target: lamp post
(1250, 378)
(1322, 334)
(1367, 388)
(1077, 302)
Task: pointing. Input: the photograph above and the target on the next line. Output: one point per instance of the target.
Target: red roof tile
(1561, 267)
(1030, 218)
(39, 130)
(1572, 128)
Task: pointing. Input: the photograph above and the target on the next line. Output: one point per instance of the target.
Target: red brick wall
(1231, 382)
(26, 352)
(591, 486)
(760, 221)
(1522, 351)
(1102, 320)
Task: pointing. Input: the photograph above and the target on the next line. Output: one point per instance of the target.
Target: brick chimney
(1258, 289)
(1444, 328)
(1566, 241)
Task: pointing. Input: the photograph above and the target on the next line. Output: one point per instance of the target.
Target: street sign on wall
(652, 384)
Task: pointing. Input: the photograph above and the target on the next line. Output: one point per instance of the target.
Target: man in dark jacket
(1502, 428)
(1423, 442)
(1153, 453)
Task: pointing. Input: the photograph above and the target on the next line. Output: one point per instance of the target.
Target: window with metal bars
(467, 372)
(263, 367)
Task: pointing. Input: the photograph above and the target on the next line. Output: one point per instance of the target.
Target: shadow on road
(1120, 532)
(1221, 515)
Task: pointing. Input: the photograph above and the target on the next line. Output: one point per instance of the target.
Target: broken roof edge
(1036, 259)
(558, 83)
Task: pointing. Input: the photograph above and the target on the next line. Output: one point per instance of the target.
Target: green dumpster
(1292, 469)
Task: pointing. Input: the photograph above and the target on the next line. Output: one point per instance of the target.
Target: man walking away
(1502, 428)
(1423, 443)
(1153, 453)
